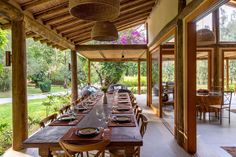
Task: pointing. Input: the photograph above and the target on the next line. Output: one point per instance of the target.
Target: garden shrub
(5, 137)
(45, 86)
(5, 80)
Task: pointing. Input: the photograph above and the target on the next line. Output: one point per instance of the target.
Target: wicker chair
(64, 109)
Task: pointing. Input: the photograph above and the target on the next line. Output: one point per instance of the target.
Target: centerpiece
(104, 89)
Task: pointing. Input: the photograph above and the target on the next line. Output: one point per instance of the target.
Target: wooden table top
(121, 136)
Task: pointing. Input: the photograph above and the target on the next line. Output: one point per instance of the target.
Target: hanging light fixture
(95, 10)
(104, 31)
(205, 37)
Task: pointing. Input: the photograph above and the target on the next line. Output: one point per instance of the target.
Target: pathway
(31, 97)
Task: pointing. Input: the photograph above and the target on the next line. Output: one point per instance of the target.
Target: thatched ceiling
(54, 14)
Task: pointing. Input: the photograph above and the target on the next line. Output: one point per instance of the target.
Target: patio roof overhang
(50, 22)
(113, 53)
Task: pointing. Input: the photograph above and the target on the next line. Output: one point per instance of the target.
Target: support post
(227, 74)
(19, 85)
(89, 72)
(149, 92)
(209, 69)
(179, 90)
(217, 61)
(190, 93)
(139, 79)
(74, 84)
(160, 82)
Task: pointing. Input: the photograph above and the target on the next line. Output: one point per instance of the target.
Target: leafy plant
(45, 86)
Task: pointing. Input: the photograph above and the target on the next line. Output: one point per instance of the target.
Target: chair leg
(220, 116)
(209, 116)
(229, 115)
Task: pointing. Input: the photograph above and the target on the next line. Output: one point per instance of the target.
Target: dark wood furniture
(48, 138)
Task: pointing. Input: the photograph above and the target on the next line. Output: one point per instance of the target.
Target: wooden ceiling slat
(86, 32)
(59, 19)
(51, 9)
(50, 13)
(133, 8)
(30, 5)
(77, 28)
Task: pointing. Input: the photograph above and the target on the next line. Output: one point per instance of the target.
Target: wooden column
(179, 90)
(89, 72)
(160, 81)
(209, 69)
(190, 93)
(149, 94)
(217, 68)
(227, 74)
(19, 85)
(74, 84)
(139, 82)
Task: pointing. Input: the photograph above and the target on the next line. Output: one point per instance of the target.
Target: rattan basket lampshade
(104, 31)
(205, 37)
(95, 10)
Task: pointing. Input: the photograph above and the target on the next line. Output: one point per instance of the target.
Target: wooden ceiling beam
(85, 35)
(79, 32)
(102, 54)
(77, 27)
(65, 4)
(38, 28)
(116, 60)
(50, 13)
(111, 47)
(59, 19)
(10, 11)
(33, 4)
(132, 9)
(149, 3)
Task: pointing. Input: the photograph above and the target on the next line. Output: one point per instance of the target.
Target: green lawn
(32, 90)
(35, 110)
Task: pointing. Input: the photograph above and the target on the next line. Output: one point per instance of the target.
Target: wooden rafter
(30, 5)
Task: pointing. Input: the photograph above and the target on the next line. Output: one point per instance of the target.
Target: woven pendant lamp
(104, 31)
(205, 37)
(95, 10)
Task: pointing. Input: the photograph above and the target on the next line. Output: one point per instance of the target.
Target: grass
(32, 90)
(35, 109)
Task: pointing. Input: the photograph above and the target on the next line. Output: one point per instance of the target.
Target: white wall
(162, 14)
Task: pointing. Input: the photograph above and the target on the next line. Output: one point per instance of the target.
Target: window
(227, 23)
(205, 22)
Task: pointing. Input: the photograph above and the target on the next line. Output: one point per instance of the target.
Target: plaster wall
(162, 14)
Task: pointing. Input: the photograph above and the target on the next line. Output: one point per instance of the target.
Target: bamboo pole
(19, 85)
(74, 88)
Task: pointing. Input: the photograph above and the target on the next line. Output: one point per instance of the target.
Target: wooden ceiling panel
(54, 15)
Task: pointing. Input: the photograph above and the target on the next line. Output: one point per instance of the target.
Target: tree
(3, 44)
(109, 72)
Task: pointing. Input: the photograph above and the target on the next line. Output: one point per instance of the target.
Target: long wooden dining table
(47, 139)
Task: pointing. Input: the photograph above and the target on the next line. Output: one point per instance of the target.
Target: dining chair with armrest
(118, 152)
(225, 104)
(64, 109)
(47, 120)
(71, 150)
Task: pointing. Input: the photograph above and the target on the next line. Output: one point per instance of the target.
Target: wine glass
(100, 114)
